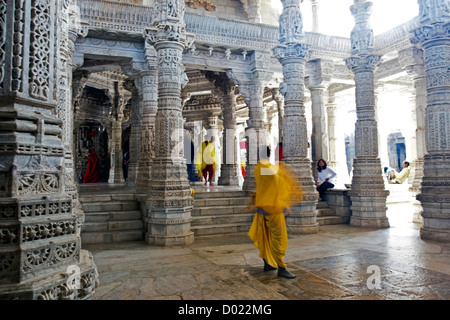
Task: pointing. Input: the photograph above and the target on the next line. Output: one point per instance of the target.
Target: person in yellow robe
(206, 160)
(277, 188)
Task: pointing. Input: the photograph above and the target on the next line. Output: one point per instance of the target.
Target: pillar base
(436, 224)
(170, 240)
(76, 282)
(369, 208)
(169, 227)
(440, 235)
(417, 218)
(368, 222)
(302, 219)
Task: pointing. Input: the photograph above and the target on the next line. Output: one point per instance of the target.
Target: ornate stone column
(315, 15)
(331, 130)
(148, 90)
(292, 54)
(367, 193)
(433, 36)
(41, 255)
(230, 166)
(255, 133)
(251, 85)
(116, 117)
(169, 204)
(136, 131)
(317, 83)
(278, 97)
(412, 59)
(71, 28)
(254, 10)
(212, 127)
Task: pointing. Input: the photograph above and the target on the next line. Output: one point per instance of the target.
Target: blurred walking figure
(277, 188)
(206, 160)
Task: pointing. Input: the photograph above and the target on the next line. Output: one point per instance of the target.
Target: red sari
(91, 175)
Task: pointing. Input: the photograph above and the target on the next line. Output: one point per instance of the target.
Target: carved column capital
(320, 74)
(363, 62)
(412, 61)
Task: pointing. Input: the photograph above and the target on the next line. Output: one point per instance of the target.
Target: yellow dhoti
(276, 189)
(269, 235)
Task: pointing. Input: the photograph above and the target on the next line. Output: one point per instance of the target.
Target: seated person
(325, 178)
(399, 178)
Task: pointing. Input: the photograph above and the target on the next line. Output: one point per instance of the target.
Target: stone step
(106, 197)
(113, 215)
(242, 218)
(112, 226)
(224, 201)
(220, 210)
(110, 206)
(322, 212)
(199, 194)
(220, 229)
(112, 236)
(330, 220)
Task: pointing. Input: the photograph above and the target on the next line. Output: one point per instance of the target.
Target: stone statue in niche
(206, 4)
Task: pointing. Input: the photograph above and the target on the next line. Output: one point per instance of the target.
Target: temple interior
(105, 106)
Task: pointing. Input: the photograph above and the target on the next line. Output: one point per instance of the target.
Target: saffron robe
(205, 156)
(277, 188)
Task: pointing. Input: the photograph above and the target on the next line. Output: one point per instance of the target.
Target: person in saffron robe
(277, 188)
(206, 160)
(92, 174)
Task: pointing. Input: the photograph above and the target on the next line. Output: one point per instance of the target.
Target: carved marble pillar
(384, 152)
(278, 97)
(317, 85)
(169, 203)
(212, 127)
(229, 171)
(315, 15)
(255, 132)
(433, 36)
(254, 11)
(367, 193)
(412, 59)
(41, 255)
(331, 130)
(251, 85)
(71, 29)
(292, 54)
(148, 86)
(136, 131)
(117, 118)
